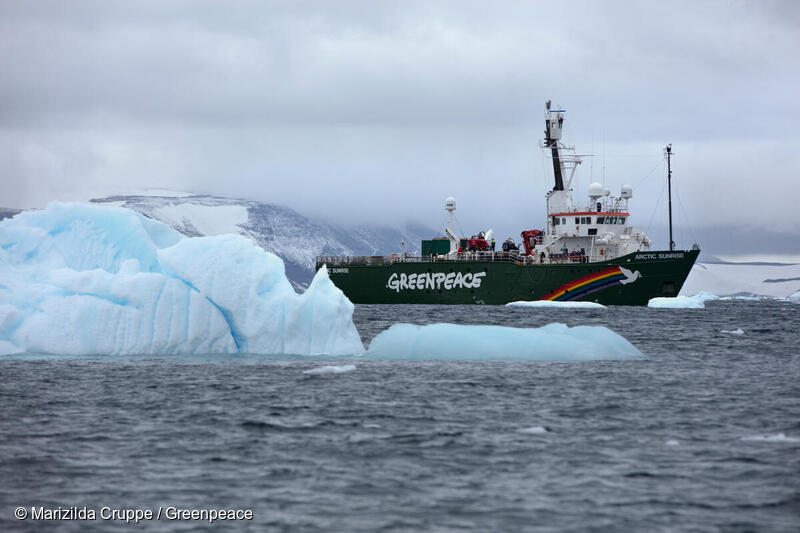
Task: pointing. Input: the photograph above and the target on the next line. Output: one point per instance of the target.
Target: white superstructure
(597, 230)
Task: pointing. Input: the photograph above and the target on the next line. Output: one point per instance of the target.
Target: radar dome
(450, 204)
(627, 192)
(595, 190)
(606, 192)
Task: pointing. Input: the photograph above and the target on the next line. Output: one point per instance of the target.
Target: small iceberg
(776, 437)
(557, 305)
(795, 298)
(553, 342)
(81, 279)
(331, 369)
(737, 331)
(534, 430)
(683, 302)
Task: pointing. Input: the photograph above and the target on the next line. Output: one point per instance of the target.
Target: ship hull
(632, 279)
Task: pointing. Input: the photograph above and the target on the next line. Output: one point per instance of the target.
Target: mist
(376, 112)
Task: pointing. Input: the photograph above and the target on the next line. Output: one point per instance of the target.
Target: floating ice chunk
(561, 305)
(737, 331)
(535, 430)
(795, 298)
(554, 342)
(330, 370)
(776, 437)
(683, 302)
(86, 279)
(672, 442)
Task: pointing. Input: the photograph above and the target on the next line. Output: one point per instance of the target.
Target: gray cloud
(367, 110)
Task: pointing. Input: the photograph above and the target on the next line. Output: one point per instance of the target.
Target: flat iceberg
(698, 301)
(776, 437)
(535, 430)
(557, 305)
(85, 279)
(737, 331)
(554, 342)
(321, 370)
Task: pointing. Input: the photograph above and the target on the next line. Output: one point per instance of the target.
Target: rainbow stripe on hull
(587, 285)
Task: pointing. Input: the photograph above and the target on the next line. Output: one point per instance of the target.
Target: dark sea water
(701, 435)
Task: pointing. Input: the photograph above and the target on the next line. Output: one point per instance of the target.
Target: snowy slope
(296, 239)
(203, 219)
(751, 279)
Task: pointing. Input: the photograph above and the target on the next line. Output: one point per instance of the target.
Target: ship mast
(668, 153)
(552, 134)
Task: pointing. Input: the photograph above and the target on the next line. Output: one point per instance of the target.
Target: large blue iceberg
(86, 279)
(553, 342)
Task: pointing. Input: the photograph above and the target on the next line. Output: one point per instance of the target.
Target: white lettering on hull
(435, 281)
(667, 255)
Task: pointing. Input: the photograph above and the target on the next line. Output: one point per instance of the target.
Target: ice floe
(672, 442)
(775, 437)
(330, 369)
(737, 331)
(553, 342)
(683, 302)
(87, 279)
(774, 280)
(557, 305)
(534, 430)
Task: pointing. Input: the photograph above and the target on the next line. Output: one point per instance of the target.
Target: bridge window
(620, 220)
(601, 220)
(577, 220)
(555, 221)
(564, 220)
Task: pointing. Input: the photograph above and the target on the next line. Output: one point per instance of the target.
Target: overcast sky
(377, 111)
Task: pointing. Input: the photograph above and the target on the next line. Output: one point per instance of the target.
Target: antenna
(604, 158)
(668, 154)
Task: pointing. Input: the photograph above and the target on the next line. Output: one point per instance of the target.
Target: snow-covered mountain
(7, 213)
(296, 239)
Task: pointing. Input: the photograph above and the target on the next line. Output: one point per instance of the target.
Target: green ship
(584, 253)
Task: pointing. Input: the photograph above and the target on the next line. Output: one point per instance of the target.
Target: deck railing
(511, 257)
